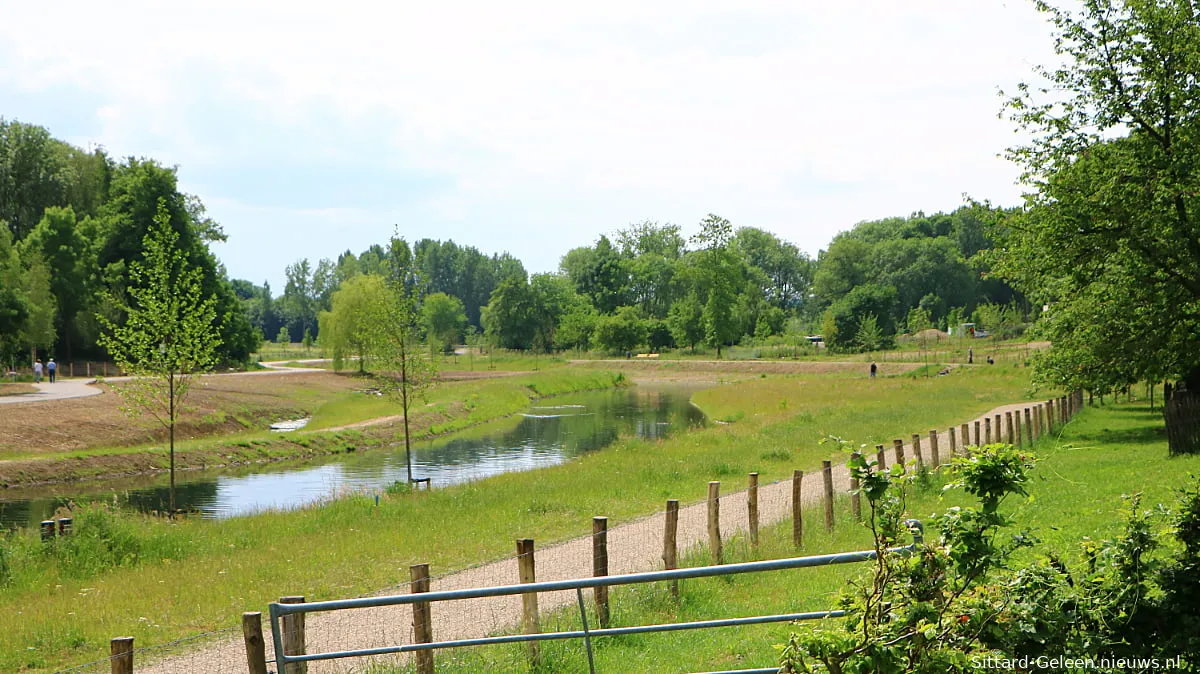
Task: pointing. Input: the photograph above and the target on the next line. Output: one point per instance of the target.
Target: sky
(310, 128)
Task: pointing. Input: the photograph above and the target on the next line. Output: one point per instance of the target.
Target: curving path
(59, 390)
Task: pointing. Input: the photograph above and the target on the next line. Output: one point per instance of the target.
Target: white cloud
(541, 125)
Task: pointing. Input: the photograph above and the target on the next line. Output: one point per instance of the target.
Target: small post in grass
(916, 445)
(996, 423)
(121, 655)
(1020, 436)
(64, 526)
(670, 551)
(965, 436)
(1008, 426)
(529, 600)
(797, 511)
(953, 442)
(934, 449)
(752, 509)
(987, 430)
(827, 478)
(422, 618)
(293, 636)
(1029, 426)
(978, 438)
(47, 531)
(256, 647)
(600, 566)
(714, 521)
(855, 497)
(898, 450)
(880, 458)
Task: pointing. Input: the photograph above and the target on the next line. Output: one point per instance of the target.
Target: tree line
(76, 221)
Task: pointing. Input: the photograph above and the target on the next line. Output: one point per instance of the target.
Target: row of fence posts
(64, 526)
(1039, 420)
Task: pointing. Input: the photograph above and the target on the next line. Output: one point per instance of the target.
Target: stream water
(550, 432)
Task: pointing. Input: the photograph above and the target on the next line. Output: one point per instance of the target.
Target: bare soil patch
(216, 405)
(14, 389)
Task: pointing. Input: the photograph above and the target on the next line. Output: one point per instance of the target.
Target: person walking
(970, 356)
(37, 371)
(52, 368)
(873, 369)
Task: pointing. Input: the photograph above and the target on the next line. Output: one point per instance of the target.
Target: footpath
(632, 547)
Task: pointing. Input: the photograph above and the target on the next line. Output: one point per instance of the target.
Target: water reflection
(546, 434)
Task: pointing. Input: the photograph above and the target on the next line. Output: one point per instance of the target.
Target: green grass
(191, 576)
(1076, 492)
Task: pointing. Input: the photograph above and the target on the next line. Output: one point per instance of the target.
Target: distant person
(37, 371)
(52, 368)
(970, 356)
(990, 361)
(874, 367)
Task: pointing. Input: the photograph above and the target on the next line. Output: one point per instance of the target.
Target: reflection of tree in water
(551, 432)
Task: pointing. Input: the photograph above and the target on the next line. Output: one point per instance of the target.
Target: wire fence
(717, 529)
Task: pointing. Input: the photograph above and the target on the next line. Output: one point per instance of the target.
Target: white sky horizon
(311, 128)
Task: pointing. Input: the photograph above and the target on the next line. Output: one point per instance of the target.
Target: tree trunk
(1181, 410)
(171, 493)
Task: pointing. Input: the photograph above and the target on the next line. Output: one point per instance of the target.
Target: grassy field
(16, 388)
(1076, 493)
(192, 576)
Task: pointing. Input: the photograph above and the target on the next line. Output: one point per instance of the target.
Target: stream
(551, 431)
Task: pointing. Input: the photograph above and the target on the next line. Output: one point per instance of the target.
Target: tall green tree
(444, 319)
(350, 325)
(686, 321)
(723, 271)
(169, 334)
(58, 240)
(33, 175)
(1112, 217)
(14, 307)
(38, 332)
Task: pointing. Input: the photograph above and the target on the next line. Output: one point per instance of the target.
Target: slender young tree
(170, 333)
(405, 369)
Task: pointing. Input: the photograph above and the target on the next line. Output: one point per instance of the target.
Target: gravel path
(634, 546)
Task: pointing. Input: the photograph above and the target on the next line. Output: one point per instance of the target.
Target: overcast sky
(532, 127)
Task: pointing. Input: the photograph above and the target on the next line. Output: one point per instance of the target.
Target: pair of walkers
(51, 369)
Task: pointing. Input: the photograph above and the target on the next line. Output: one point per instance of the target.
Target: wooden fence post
(670, 551)
(1008, 426)
(714, 521)
(997, 427)
(1017, 426)
(797, 509)
(987, 430)
(1050, 421)
(293, 636)
(898, 449)
(855, 497)
(953, 442)
(422, 618)
(916, 445)
(827, 477)
(934, 457)
(529, 600)
(965, 437)
(880, 458)
(978, 438)
(1064, 406)
(1029, 426)
(752, 509)
(256, 647)
(600, 567)
(121, 652)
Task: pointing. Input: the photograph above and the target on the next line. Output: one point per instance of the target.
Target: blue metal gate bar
(278, 611)
(573, 634)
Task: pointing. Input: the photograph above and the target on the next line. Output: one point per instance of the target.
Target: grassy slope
(197, 575)
(1077, 490)
(448, 407)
